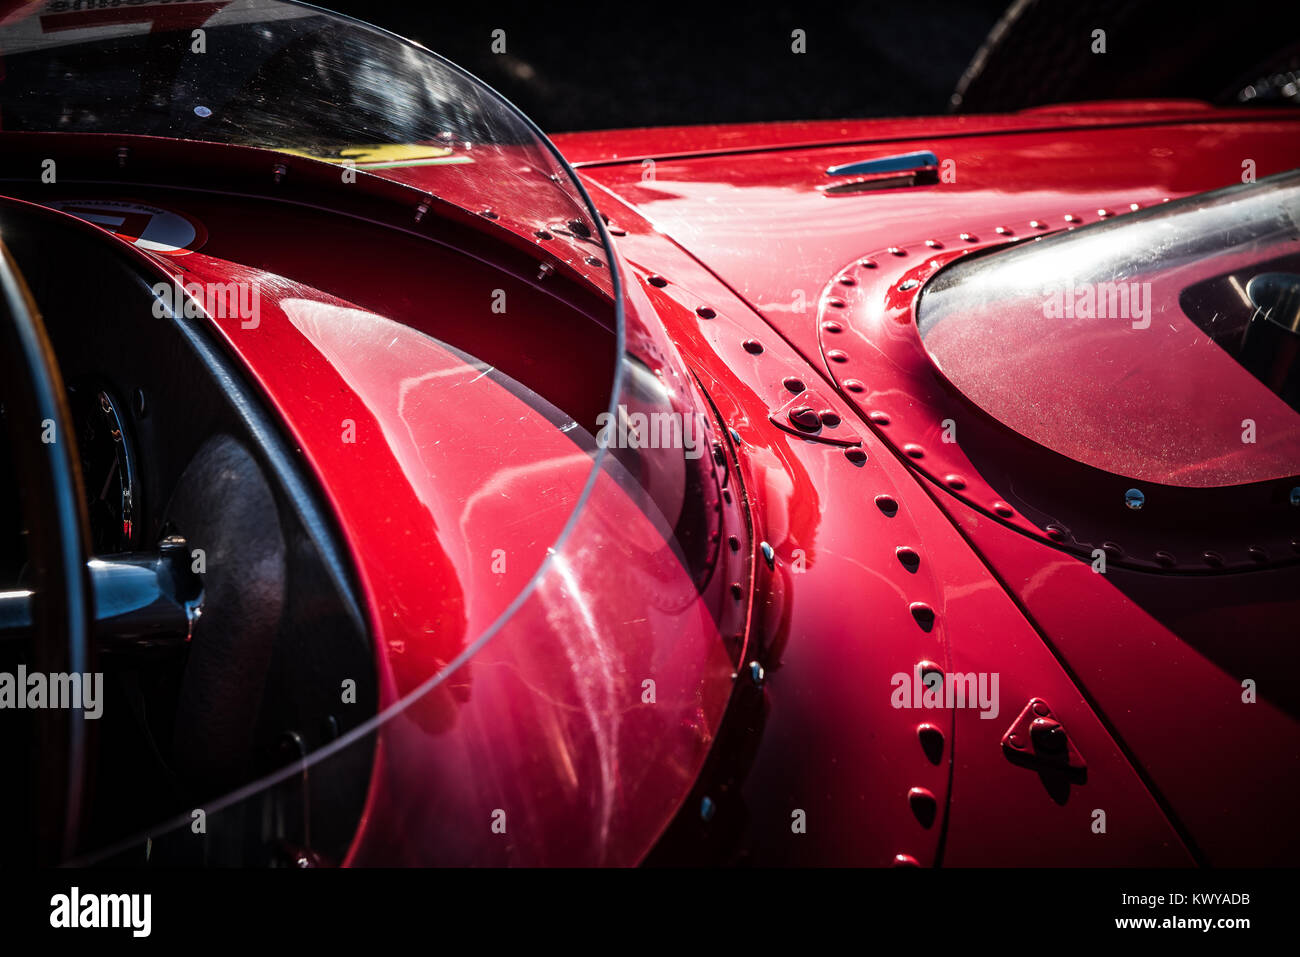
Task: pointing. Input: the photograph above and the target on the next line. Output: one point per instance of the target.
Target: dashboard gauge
(108, 467)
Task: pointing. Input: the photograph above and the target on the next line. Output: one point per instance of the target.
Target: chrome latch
(897, 163)
(884, 172)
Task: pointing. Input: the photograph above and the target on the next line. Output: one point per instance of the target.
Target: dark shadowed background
(592, 66)
(635, 63)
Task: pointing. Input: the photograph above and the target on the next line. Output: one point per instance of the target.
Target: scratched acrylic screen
(535, 716)
(1140, 344)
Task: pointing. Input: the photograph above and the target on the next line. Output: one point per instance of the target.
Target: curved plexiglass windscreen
(1163, 345)
(295, 79)
(523, 735)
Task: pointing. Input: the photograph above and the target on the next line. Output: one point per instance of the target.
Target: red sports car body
(903, 492)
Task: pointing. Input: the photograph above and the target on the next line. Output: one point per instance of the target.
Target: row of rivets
(922, 801)
(913, 450)
(754, 347)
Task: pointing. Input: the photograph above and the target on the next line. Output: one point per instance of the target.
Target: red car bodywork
(889, 546)
(1147, 667)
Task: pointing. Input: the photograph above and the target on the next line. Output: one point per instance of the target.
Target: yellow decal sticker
(384, 155)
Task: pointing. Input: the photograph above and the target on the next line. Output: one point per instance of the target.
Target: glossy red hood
(1180, 647)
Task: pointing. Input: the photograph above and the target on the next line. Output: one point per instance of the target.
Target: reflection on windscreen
(252, 72)
(1152, 337)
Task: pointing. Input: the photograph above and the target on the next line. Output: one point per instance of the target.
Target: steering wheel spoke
(143, 602)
